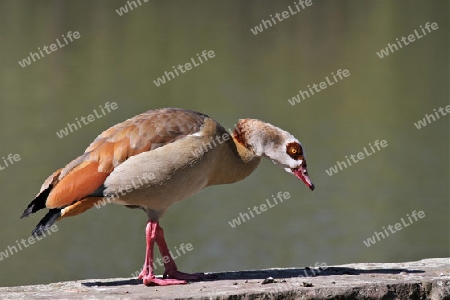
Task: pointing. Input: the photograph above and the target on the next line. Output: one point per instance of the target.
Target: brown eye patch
(294, 150)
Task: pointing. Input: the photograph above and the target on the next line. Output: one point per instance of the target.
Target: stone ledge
(424, 279)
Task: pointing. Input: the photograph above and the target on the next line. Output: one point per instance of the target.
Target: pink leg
(171, 270)
(147, 274)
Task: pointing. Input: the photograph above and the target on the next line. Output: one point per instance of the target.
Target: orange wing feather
(79, 206)
(80, 182)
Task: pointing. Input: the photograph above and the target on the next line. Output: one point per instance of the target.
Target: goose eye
(294, 150)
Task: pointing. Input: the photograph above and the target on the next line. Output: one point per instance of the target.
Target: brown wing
(145, 132)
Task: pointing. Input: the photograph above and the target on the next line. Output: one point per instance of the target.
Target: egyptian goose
(156, 159)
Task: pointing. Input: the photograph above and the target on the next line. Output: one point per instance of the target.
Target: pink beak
(302, 173)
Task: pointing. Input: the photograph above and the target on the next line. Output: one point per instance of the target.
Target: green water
(117, 58)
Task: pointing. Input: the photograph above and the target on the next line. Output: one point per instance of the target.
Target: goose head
(281, 147)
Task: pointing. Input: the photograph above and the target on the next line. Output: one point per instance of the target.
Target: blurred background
(117, 58)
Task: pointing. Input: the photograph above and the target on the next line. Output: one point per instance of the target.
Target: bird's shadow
(276, 274)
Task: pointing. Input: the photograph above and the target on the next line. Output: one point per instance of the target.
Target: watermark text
(11, 250)
(272, 21)
(404, 41)
(431, 118)
(184, 248)
(49, 49)
(145, 179)
(340, 165)
(393, 229)
(130, 4)
(9, 160)
(187, 66)
(104, 109)
(302, 95)
(257, 210)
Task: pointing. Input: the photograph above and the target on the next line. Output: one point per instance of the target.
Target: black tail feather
(38, 203)
(46, 222)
